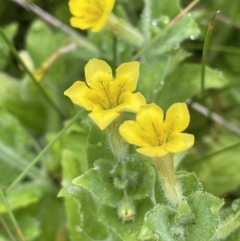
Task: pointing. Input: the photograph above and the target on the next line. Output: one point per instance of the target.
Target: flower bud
(126, 209)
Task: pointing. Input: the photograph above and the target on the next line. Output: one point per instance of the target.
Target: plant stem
(40, 155)
(205, 50)
(7, 229)
(124, 30)
(170, 183)
(39, 87)
(118, 145)
(56, 23)
(14, 221)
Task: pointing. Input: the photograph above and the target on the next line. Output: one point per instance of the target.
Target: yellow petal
(97, 73)
(133, 134)
(100, 23)
(178, 117)
(81, 23)
(153, 151)
(81, 95)
(77, 7)
(179, 142)
(90, 13)
(128, 74)
(104, 117)
(148, 115)
(131, 102)
(108, 5)
(150, 118)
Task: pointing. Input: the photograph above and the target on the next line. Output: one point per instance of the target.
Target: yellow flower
(104, 96)
(90, 13)
(156, 136)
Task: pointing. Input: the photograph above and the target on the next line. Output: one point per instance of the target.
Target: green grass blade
(41, 154)
(14, 221)
(39, 87)
(205, 50)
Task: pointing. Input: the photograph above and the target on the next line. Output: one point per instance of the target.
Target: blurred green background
(28, 122)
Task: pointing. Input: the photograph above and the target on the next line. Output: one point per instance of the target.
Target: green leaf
(229, 228)
(49, 44)
(141, 177)
(215, 169)
(127, 231)
(15, 163)
(205, 208)
(156, 14)
(24, 195)
(189, 183)
(98, 145)
(51, 215)
(197, 219)
(158, 224)
(17, 95)
(170, 38)
(81, 207)
(10, 31)
(99, 182)
(186, 83)
(29, 226)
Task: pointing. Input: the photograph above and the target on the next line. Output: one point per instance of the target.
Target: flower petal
(77, 8)
(133, 134)
(90, 13)
(179, 142)
(131, 102)
(103, 117)
(81, 23)
(148, 115)
(97, 73)
(81, 95)
(127, 74)
(107, 7)
(178, 117)
(153, 151)
(150, 118)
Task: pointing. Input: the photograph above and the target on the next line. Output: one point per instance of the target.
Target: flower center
(112, 94)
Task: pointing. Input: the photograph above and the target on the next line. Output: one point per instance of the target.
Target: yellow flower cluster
(107, 97)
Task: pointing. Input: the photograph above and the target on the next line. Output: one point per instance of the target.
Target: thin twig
(56, 23)
(171, 23)
(182, 13)
(7, 229)
(32, 78)
(12, 217)
(55, 56)
(215, 117)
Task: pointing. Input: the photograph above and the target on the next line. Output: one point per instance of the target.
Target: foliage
(62, 178)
